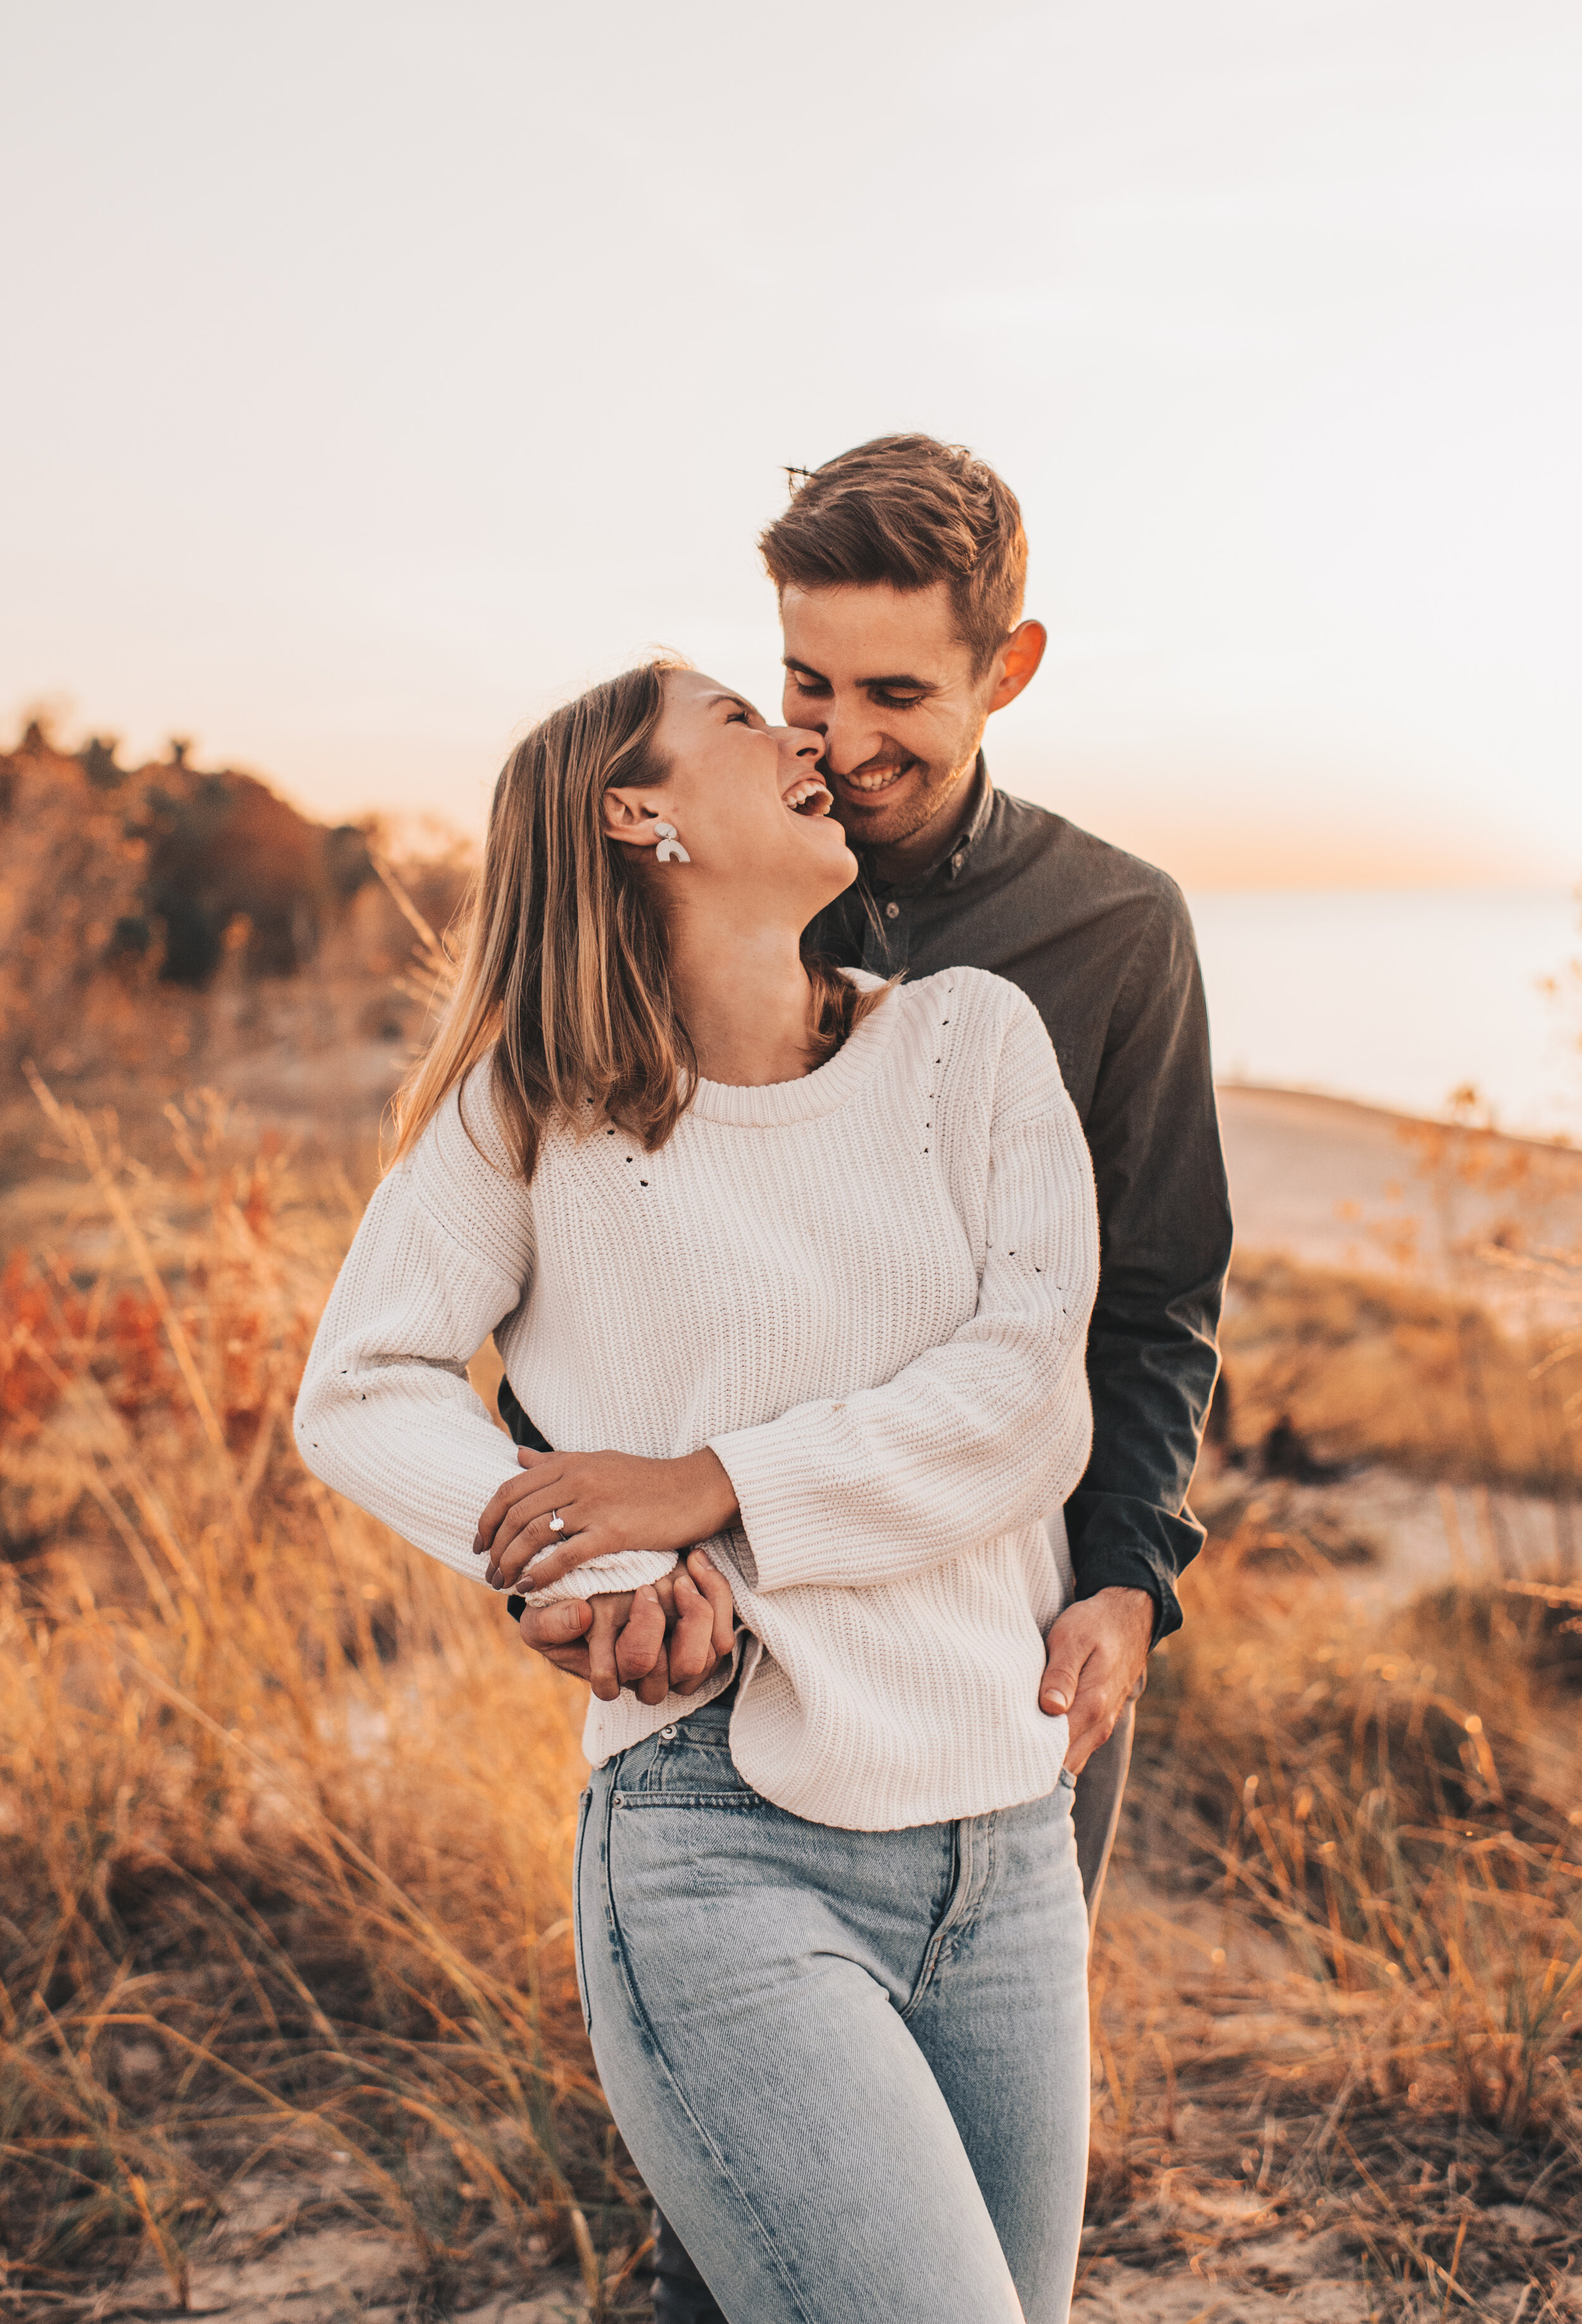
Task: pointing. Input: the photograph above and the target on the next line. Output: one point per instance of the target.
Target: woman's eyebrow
(737, 699)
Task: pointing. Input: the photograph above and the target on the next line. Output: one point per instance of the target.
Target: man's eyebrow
(902, 684)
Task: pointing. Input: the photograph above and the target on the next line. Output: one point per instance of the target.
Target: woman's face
(745, 800)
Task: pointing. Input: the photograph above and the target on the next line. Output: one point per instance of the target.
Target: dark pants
(680, 2294)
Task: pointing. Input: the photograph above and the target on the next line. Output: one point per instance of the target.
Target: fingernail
(1057, 1701)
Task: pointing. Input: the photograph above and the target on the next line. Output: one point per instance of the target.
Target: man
(901, 567)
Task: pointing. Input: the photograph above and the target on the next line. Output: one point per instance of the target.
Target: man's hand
(607, 1503)
(669, 1638)
(1098, 1651)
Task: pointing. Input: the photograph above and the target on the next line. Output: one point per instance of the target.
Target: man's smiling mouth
(867, 780)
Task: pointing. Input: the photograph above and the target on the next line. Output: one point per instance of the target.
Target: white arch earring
(669, 849)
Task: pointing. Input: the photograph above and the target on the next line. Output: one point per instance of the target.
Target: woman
(801, 1265)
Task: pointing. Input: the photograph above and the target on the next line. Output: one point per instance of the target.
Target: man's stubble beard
(924, 802)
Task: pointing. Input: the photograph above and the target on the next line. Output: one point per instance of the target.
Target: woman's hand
(668, 1637)
(608, 1502)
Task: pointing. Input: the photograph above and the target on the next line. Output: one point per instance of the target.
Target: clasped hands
(670, 1635)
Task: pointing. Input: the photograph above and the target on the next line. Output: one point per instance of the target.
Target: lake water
(1399, 997)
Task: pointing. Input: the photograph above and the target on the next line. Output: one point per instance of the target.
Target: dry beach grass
(286, 1834)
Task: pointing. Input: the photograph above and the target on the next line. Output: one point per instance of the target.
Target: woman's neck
(745, 999)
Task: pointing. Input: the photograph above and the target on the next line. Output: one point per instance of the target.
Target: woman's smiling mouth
(808, 795)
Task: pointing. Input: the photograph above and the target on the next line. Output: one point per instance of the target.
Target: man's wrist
(1136, 1607)
(1134, 1573)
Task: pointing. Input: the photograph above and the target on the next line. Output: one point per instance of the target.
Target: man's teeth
(879, 782)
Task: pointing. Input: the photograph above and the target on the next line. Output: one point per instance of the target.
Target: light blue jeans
(852, 2066)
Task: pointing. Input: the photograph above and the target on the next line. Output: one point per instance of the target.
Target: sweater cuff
(782, 1537)
(602, 1575)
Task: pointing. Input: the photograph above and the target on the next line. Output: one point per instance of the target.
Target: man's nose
(849, 739)
(806, 742)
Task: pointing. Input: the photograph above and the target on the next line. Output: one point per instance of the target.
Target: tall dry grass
(285, 1832)
(1343, 1989)
(287, 1814)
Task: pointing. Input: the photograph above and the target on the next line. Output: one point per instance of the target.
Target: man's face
(883, 676)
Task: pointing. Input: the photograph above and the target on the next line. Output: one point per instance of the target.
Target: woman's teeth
(799, 794)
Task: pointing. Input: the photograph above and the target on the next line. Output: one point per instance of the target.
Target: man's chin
(878, 818)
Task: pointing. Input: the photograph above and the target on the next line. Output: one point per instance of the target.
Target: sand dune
(1336, 1184)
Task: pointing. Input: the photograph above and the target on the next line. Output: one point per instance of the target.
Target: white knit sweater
(868, 1290)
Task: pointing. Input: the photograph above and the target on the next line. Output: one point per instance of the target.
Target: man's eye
(897, 701)
(809, 685)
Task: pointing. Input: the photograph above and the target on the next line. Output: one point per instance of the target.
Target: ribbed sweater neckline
(776, 1104)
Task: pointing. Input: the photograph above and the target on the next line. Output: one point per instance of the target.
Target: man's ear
(631, 817)
(1018, 662)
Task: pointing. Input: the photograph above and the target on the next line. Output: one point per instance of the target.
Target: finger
(657, 1685)
(692, 1643)
(1086, 1734)
(521, 1538)
(566, 1553)
(496, 1506)
(513, 1522)
(1062, 1674)
(556, 1625)
(602, 1675)
(641, 1642)
(714, 1587)
(502, 1500)
(527, 1526)
(572, 1660)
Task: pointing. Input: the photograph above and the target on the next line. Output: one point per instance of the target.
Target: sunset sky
(378, 374)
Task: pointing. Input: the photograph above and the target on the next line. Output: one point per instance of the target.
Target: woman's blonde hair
(564, 967)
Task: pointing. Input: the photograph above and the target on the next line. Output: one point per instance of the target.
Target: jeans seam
(584, 1807)
(632, 1801)
(628, 1977)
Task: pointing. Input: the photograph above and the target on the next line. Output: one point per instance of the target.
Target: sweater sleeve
(984, 1434)
(385, 1414)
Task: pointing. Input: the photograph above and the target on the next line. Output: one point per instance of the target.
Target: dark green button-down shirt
(1102, 945)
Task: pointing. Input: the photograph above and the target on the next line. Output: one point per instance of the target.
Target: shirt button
(956, 862)
(892, 912)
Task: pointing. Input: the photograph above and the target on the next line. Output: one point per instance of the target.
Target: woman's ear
(631, 819)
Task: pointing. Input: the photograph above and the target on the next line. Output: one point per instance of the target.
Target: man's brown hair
(908, 510)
